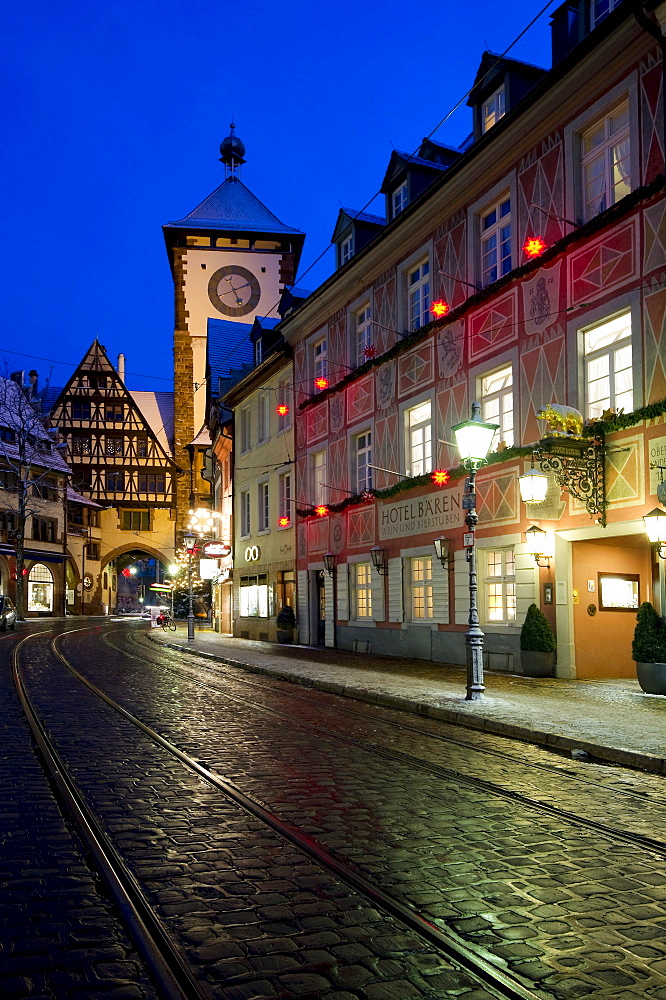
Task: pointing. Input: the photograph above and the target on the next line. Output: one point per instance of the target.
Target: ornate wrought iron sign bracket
(579, 467)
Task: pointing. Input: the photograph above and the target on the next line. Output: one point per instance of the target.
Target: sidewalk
(613, 720)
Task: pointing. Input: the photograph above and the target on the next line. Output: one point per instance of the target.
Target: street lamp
(190, 540)
(536, 539)
(473, 439)
(655, 528)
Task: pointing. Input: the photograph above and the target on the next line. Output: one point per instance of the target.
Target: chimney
(121, 366)
(33, 376)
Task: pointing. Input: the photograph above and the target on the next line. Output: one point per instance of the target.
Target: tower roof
(232, 207)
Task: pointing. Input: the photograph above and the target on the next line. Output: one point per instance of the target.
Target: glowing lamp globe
(533, 486)
(474, 438)
(536, 540)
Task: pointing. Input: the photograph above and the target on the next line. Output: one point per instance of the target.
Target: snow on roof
(157, 408)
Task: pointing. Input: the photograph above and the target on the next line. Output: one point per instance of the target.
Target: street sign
(469, 501)
(468, 539)
(216, 550)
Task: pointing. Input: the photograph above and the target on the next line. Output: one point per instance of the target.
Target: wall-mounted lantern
(655, 529)
(442, 546)
(378, 556)
(536, 539)
(329, 563)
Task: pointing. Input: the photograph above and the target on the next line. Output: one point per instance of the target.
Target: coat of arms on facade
(449, 351)
(336, 414)
(385, 385)
(540, 304)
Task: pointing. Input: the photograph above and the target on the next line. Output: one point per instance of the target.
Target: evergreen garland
(624, 420)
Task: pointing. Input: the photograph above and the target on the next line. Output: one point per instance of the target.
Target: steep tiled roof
(232, 207)
(229, 347)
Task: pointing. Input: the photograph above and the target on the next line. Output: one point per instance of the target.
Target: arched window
(40, 588)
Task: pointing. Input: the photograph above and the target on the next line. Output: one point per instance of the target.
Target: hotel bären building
(525, 271)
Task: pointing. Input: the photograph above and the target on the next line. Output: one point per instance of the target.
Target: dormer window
(601, 9)
(346, 249)
(494, 109)
(399, 200)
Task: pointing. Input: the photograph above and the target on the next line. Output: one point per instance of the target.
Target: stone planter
(535, 663)
(285, 635)
(652, 677)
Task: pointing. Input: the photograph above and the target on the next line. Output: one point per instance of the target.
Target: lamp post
(190, 540)
(473, 439)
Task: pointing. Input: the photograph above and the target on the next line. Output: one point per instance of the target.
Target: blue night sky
(115, 116)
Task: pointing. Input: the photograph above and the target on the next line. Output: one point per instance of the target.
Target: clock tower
(230, 259)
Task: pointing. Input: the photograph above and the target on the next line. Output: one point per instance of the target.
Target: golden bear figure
(562, 421)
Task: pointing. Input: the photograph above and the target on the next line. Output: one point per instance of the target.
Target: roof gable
(234, 208)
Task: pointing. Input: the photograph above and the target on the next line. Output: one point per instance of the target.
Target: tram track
(163, 955)
(634, 839)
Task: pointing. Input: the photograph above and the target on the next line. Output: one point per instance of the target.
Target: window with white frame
(319, 359)
(285, 497)
(421, 588)
(245, 442)
(601, 9)
(493, 109)
(399, 199)
(346, 250)
(263, 518)
(419, 439)
(497, 404)
(363, 335)
(609, 366)
(500, 586)
(362, 590)
(253, 596)
(245, 513)
(263, 418)
(418, 291)
(284, 399)
(319, 474)
(496, 241)
(362, 461)
(606, 161)
(258, 352)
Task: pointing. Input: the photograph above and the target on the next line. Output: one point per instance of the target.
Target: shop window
(286, 588)
(40, 588)
(253, 595)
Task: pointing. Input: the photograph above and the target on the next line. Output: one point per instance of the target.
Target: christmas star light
(534, 246)
(367, 496)
(370, 351)
(440, 477)
(284, 521)
(321, 383)
(321, 510)
(282, 409)
(439, 309)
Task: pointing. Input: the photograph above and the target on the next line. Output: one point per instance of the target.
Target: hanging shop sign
(216, 550)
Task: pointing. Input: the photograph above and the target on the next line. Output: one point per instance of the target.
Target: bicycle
(166, 621)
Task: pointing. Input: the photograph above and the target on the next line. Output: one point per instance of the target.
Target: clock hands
(235, 291)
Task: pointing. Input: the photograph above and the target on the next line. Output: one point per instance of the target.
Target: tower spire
(233, 151)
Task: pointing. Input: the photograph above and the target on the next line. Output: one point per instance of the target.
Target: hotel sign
(433, 512)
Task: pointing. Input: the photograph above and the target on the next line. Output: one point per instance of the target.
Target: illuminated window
(40, 588)
(363, 334)
(319, 477)
(114, 445)
(421, 580)
(253, 596)
(608, 367)
(496, 241)
(497, 404)
(493, 109)
(80, 444)
(418, 290)
(606, 162)
(419, 439)
(399, 199)
(362, 590)
(500, 586)
(362, 462)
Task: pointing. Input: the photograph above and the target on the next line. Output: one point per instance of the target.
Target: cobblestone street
(551, 869)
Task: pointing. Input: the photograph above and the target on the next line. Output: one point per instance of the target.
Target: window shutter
(395, 599)
(329, 638)
(343, 592)
(440, 591)
(377, 587)
(302, 605)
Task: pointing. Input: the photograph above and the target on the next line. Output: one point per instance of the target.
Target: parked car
(7, 614)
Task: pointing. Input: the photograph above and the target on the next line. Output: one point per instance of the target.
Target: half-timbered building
(118, 446)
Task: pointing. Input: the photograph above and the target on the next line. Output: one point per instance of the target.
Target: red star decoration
(370, 351)
(321, 383)
(440, 477)
(534, 246)
(321, 510)
(282, 409)
(439, 309)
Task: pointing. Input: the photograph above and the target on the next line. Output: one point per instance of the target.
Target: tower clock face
(234, 291)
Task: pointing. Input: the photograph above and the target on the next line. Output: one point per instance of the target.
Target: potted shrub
(649, 650)
(537, 644)
(286, 623)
